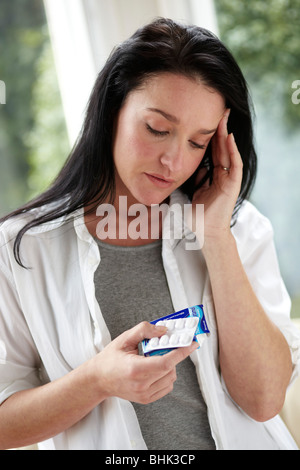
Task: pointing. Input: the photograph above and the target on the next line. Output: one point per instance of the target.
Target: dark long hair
(161, 46)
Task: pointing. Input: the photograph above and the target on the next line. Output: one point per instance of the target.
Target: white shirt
(50, 323)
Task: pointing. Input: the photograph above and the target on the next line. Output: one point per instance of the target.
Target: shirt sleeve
(19, 359)
(255, 240)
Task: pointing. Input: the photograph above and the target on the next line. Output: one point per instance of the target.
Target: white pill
(190, 322)
(170, 324)
(153, 342)
(164, 340)
(161, 323)
(186, 338)
(179, 325)
(174, 339)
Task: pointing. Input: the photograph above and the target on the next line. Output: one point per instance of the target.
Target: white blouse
(50, 323)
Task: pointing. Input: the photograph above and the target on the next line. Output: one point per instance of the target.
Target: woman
(74, 308)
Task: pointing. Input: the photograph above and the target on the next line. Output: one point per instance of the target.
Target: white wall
(83, 33)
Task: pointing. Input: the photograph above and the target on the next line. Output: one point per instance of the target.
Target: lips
(160, 180)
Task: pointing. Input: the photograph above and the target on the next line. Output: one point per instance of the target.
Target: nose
(173, 157)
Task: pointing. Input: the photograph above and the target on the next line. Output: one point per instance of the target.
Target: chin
(153, 199)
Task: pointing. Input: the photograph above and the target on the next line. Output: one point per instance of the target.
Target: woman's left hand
(219, 197)
(255, 367)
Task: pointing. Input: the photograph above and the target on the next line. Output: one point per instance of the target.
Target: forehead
(179, 96)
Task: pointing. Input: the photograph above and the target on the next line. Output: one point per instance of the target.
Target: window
(35, 128)
(263, 37)
(33, 138)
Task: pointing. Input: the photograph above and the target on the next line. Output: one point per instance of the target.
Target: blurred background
(52, 50)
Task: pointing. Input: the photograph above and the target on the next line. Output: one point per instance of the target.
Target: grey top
(131, 287)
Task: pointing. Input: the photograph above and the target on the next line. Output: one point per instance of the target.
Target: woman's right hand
(36, 414)
(121, 372)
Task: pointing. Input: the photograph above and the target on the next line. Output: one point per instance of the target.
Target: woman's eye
(155, 132)
(164, 133)
(197, 146)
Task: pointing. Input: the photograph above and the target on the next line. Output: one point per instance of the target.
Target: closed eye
(155, 132)
(164, 133)
(197, 146)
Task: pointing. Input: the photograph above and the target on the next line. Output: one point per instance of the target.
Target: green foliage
(264, 37)
(25, 62)
(47, 141)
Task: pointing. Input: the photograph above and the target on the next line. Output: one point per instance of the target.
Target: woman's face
(161, 134)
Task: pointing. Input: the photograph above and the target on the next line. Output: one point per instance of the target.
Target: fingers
(222, 128)
(162, 387)
(219, 144)
(157, 366)
(135, 335)
(178, 355)
(155, 376)
(143, 330)
(137, 378)
(165, 367)
(226, 155)
(170, 360)
(236, 162)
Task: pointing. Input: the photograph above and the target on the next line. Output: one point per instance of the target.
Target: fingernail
(227, 113)
(160, 328)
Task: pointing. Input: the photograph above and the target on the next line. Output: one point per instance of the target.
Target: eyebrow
(175, 120)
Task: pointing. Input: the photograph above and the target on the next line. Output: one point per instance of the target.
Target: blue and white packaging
(184, 326)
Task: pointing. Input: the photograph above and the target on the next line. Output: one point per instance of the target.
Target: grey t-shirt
(131, 287)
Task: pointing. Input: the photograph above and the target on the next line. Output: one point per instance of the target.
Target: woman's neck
(125, 224)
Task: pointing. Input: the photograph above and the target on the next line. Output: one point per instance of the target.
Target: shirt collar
(173, 228)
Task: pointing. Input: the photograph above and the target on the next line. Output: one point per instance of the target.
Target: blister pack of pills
(184, 326)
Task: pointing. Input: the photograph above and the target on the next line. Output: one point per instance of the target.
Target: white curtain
(83, 33)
